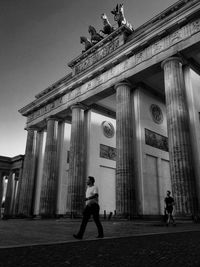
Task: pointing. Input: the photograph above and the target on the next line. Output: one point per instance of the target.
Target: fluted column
(18, 190)
(9, 196)
(76, 182)
(27, 183)
(1, 190)
(181, 164)
(125, 191)
(14, 195)
(49, 179)
(61, 177)
(40, 148)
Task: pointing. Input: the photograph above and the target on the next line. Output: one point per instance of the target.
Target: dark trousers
(93, 209)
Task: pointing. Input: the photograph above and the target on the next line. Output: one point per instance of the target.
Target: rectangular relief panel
(156, 140)
(108, 152)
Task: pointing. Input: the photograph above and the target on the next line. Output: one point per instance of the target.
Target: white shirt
(91, 191)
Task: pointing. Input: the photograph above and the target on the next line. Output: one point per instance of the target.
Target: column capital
(52, 118)
(178, 59)
(124, 82)
(31, 128)
(79, 105)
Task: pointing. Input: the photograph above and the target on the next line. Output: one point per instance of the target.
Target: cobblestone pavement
(27, 243)
(28, 232)
(174, 250)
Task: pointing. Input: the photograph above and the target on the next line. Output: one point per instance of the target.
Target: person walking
(91, 208)
(169, 203)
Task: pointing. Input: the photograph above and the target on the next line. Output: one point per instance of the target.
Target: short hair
(91, 179)
(168, 191)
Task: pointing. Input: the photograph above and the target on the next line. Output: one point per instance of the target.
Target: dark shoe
(77, 236)
(100, 236)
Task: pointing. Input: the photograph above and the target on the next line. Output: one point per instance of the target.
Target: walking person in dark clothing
(92, 208)
(169, 203)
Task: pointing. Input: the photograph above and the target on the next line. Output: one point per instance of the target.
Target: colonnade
(9, 192)
(181, 165)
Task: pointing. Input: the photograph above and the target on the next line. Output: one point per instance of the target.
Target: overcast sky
(38, 39)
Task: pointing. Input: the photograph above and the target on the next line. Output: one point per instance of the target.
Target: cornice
(161, 25)
(58, 84)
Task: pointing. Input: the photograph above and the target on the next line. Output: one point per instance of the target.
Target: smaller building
(10, 178)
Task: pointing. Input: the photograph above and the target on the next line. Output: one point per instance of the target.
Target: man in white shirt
(92, 208)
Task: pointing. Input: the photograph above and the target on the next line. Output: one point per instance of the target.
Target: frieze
(45, 109)
(140, 57)
(97, 55)
(176, 36)
(164, 43)
(156, 140)
(195, 26)
(136, 59)
(157, 47)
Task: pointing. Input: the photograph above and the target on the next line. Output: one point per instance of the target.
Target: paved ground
(27, 243)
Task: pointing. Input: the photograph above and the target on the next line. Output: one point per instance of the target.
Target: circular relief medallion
(156, 113)
(108, 129)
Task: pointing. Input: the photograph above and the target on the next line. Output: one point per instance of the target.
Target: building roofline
(173, 9)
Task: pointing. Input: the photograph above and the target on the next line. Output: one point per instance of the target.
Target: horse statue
(95, 37)
(118, 13)
(107, 28)
(86, 42)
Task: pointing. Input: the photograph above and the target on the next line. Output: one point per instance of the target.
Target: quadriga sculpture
(95, 37)
(118, 13)
(86, 42)
(107, 27)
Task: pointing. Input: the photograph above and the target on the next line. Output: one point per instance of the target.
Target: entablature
(143, 43)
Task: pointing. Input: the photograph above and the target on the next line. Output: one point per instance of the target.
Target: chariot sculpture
(107, 27)
(118, 13)
(88, 44)
(96, 37)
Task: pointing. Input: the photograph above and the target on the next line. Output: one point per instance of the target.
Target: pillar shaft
(76, 182)
(18, 190)
(125, 191)
(9, 195)
(1, 190)
(181, 164)
(49, 179)
(27, 183)
(40, 148)
(61, 148)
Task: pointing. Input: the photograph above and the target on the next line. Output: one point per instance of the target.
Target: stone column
(181, 164)
(1, 190)
(27, 183)
(18, 189)
(8, 198)
(125, 190)
(49, 179)
(39, 173)
(61, 184)
(76, 182)
(14, 195)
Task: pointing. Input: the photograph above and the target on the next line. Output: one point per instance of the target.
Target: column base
(37, 217)
(23, 216)
(47, 216)
(124, 216)
(73, 215)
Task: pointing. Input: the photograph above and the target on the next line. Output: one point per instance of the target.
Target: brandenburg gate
(141, 84)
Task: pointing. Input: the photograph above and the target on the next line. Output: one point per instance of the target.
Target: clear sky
(38, 39)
